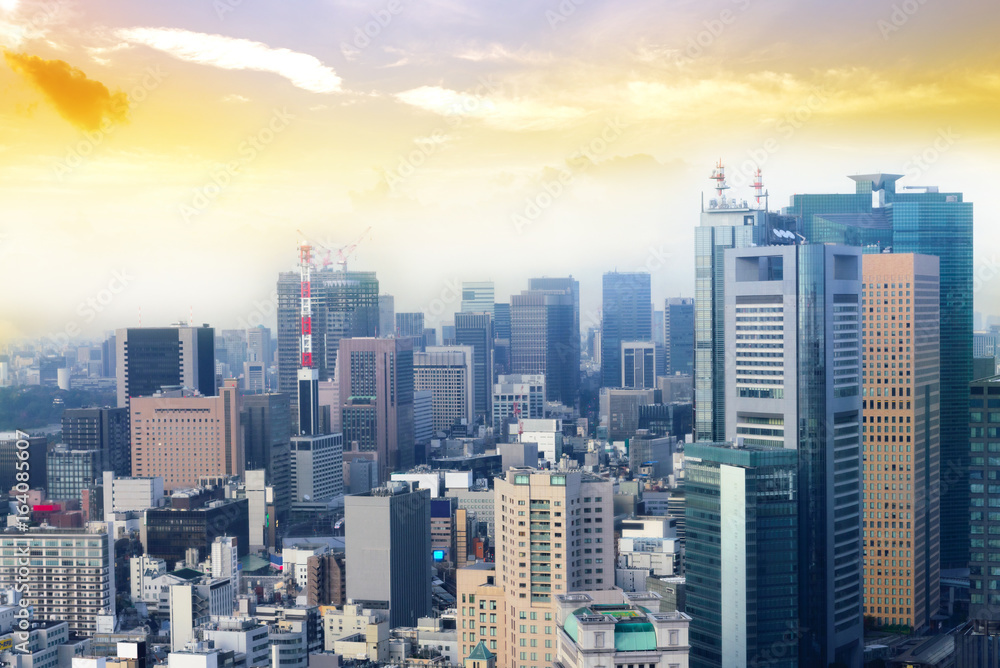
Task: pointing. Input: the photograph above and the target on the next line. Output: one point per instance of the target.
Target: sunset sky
(171, 150)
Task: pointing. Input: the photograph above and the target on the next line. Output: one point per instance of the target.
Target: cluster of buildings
(792, 468)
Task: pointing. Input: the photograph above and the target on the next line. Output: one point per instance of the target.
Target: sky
(163, 160)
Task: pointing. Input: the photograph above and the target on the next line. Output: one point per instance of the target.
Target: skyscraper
(477, 297)
(678, 335)
(793, 380)
(627, 316)
(389, 551)
(105, 429)
(741, 561)
(411, 325)
(984, 416)
(386, 315)
(926, 221)
(543, 341)
(447, 372)
(638, 365)
(561, 284)
(266, 432)
(902, 446)
(344, 304)
(376, 402)
(181, 437)
(153, 357)
(724, 224)
(476, 330)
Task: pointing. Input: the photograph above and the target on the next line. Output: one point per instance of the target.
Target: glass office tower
(924, 221)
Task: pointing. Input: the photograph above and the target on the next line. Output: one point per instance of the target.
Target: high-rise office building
(344, 304)
(638, 365)
(926, 221)
(627, 315)
(75, 584)
(476, 330)
(386, 315)
(543, 341)
(411, 325)
(389, 551)
(70, 471)
(447, 372)
(678, 335)
(376, 402)
(566, 284)
(726, 223)
(317, 468)
(741, 549)
(902, 446)
(180, 437)
(477, 297)
(150, 358)
(259, 345)
(105, 429)
(266, 433)
(501, 320)
(109, 357)
(569, 513)
(231, 349)
(793, 380)
(984, 431)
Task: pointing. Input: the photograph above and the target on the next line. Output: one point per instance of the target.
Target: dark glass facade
(476, 330)
(105, 429)
(929, 223)
(627, 315)
(543, 341)
(741, 568)
(167, 533)
(678, 335)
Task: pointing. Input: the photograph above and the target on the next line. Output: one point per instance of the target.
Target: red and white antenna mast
(305, 311)
(758, 186)
(719, 176)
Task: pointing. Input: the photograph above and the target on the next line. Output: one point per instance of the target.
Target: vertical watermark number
(22, 546)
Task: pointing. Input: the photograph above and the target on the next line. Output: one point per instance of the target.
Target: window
(674, 638)
(599, 639)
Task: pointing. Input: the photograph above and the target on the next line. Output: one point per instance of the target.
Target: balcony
(541, 568)
(540, 516)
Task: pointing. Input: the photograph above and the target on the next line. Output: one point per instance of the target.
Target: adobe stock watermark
(919, 164)
(222, 176)
(985, 271)
(382, 18)
(450, 294)
(580, 161)
(223, 7)
(89, 308)
(467, 105)
(712, 29)
(22, 577)
(262, 312)
(562, 12)
(789, 124)
(83, 148)
(899, 16)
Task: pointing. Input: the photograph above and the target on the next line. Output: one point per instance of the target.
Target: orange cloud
(83, 102)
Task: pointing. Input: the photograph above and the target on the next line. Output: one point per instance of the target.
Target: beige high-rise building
(554, 534)
(181, 437)
(901, 438)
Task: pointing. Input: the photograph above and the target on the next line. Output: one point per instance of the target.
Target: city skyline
(653, 94)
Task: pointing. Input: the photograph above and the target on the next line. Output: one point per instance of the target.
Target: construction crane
(336, 256)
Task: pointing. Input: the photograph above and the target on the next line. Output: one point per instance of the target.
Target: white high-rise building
(793, 379)
(317, 468)
(131, 494)
(72, 580)
(477, 297)
(525, 392)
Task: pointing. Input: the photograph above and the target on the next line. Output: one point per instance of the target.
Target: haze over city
(180, 147)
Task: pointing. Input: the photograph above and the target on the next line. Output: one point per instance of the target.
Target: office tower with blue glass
(411, 325)
(793, 381)
(678, 336)
(627, 315)
(879, 215)
(543, 341)
(476, 330)
(741, 555)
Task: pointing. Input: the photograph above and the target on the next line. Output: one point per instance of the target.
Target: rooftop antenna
(719, 176)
